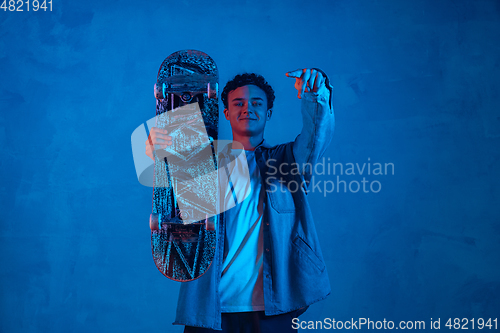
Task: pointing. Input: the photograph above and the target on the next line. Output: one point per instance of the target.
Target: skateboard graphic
(183, 219)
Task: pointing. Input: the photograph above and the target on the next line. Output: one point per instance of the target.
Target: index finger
(296, 73)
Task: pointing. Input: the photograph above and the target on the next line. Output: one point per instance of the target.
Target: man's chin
(248, 132)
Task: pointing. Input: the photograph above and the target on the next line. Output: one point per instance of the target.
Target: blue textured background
(416, 84)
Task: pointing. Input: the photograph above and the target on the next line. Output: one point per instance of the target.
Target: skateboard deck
(183, 219)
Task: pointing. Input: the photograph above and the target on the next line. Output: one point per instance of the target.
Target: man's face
(247, 110)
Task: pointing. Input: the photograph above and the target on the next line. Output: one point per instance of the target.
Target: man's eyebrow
(243, 99)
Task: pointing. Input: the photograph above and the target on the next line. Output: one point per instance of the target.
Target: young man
(268, 266)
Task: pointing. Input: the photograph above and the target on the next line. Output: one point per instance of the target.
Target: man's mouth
(247, 118)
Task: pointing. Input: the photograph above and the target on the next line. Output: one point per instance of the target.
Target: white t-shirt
(241, 284)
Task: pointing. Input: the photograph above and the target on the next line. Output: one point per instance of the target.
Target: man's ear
(269, 114)
(226, 114)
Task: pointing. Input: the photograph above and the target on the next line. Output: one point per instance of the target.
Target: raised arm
(318, 119)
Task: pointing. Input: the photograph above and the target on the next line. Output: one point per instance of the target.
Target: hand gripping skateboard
(183, 219)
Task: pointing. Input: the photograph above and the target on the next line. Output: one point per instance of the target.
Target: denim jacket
(294, 272)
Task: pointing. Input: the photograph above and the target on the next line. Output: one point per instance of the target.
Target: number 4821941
(26, 5)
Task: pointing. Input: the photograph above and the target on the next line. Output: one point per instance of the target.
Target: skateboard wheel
(209, 224)
(212, 90)
(159, 92)
(153, 222)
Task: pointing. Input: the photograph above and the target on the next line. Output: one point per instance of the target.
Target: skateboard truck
(155, 222)
(186, 87)
(178, 230)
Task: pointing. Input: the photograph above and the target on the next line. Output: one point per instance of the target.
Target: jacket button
(267, 250)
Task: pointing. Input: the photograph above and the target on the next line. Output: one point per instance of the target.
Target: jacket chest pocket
(280, 195)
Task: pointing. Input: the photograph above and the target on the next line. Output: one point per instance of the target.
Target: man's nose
(248, 108)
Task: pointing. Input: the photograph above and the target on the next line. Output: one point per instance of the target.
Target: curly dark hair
(245, 79)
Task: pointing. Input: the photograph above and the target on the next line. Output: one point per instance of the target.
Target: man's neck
(248, 142)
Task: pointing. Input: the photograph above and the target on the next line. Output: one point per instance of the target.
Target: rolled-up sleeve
(318, 122)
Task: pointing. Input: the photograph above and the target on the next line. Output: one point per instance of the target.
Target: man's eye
(239, 104)
(256, 104)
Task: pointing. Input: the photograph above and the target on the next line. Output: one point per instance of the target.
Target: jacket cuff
(329, 87)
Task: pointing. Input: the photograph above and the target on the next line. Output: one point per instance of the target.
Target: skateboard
(183, 219)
